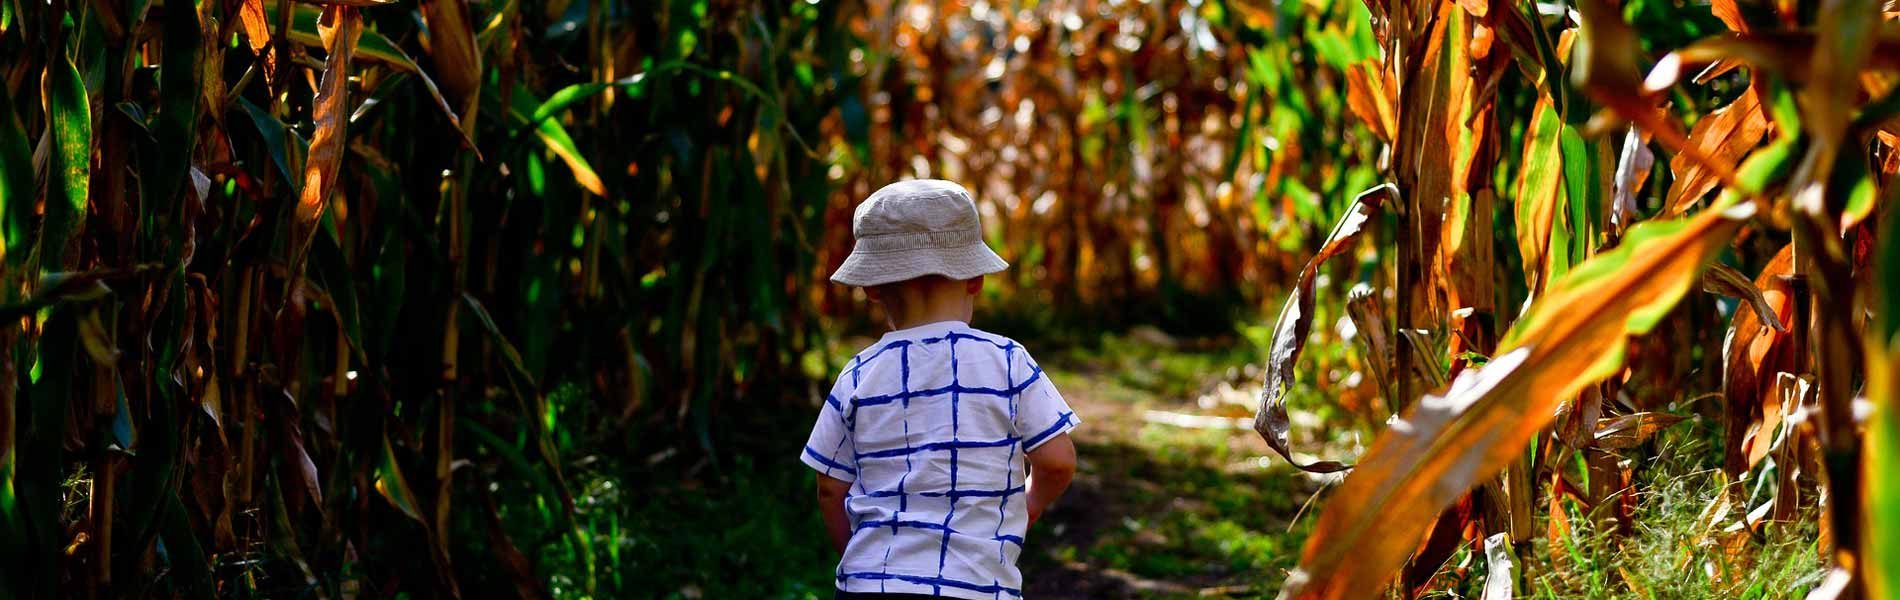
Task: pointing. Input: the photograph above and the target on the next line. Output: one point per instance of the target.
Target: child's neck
(957, 309)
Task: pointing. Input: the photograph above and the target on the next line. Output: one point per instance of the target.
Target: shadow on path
(1159, 511)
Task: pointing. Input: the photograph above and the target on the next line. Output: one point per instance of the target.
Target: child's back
(940, 444)
(932, 425)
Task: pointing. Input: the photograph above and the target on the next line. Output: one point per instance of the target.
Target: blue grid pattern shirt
(930, 426)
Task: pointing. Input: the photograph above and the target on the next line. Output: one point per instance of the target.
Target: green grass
(1146, 365)
(1674, 551)
(752, 533)
(766, 539)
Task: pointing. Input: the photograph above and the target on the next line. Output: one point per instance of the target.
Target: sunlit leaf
(256, 23)
(1585, 189)
(1725, 280)
(1296, 321)
(70, 165)
(1539, 195)
(1730, 12)
(1852, 186)
(373, 46)
(1881, 467)
(393, 486)
(1369, 99)
(566, 97)
(326, 146)
(1573, 336)
(555, 137)
(1727, 134)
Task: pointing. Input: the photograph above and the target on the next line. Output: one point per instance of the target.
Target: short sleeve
(1041, 413)
(829, 449)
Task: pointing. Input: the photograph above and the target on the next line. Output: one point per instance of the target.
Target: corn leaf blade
(1573, 336)
(1296, 321)
(331, 117)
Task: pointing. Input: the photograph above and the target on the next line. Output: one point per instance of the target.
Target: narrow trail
(1175, 496)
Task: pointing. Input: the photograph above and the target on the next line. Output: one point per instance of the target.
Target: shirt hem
(897, 586)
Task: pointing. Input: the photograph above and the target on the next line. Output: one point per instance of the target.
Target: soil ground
(1161, 510)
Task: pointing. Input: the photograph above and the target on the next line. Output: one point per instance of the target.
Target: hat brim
(865, 269)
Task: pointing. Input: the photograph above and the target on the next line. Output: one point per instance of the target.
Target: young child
(941, 443)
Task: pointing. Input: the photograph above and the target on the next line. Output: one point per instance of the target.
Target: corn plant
(1611, 250)
(327, 298)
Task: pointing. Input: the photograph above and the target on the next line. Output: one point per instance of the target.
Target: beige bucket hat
(914, 228)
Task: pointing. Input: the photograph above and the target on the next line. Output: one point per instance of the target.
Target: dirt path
(1160, 510)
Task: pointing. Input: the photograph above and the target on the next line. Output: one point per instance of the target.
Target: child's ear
(875, 293)
(974, 285)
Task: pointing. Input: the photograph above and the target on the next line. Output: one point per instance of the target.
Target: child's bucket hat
(914, 228)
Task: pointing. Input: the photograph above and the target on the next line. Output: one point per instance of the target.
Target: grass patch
(1673, 552)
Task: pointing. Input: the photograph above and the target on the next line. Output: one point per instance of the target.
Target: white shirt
(930, 425)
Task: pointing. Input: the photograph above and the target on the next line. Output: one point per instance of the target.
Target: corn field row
(334, 297)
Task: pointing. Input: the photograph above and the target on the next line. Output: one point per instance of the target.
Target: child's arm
(831, 493)
(1051, 466)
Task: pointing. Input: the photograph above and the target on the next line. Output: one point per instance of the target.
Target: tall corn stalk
(1605, 276)
(327, 298)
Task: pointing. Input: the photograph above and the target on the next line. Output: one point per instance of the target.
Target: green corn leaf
(279, 139)
(495, 335)
(522, 104)
(1881, 468)
(1540, 193)
(70, 122)
(1582, 192)
(560, 100)
(393, 486)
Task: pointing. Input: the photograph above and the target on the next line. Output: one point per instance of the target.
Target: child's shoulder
(1000, 342)
(965, 337)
